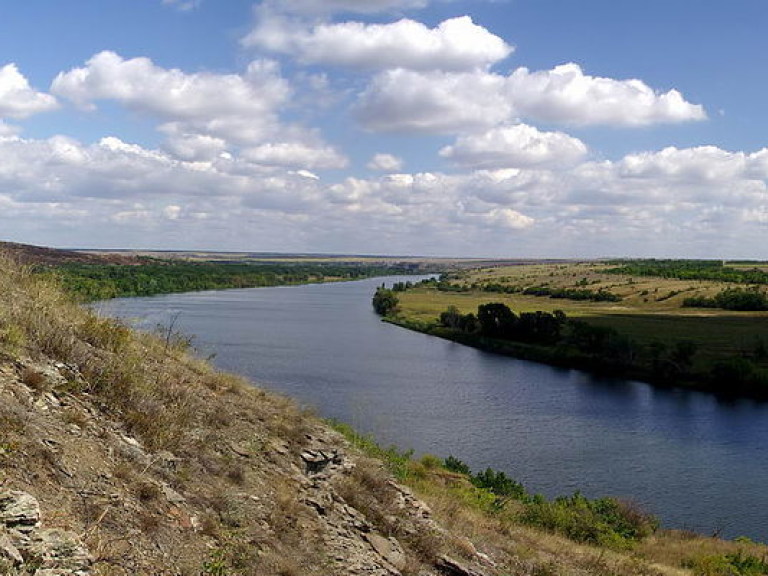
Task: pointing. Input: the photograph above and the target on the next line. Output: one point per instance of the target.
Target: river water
(695, 461)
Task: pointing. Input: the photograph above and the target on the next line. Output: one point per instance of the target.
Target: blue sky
(516, 128)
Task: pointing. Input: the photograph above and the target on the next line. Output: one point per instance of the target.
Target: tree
(385, 302)
(496, 320)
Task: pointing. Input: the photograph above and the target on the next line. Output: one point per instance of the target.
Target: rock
(389, 549)
(172, 496)
(8, 551)
(56, 549)
(19, 510)
(315, 461)
(451, 567)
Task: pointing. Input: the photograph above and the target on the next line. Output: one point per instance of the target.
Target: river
(697, 462)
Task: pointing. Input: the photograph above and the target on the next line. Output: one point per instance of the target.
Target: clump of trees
(496, 320)
(576, 342)
(385, 301)
(578, 294)
(738, 299)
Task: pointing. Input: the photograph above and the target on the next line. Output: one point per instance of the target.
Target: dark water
(695, 461)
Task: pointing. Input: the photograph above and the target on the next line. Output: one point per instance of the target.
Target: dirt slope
(28, 254)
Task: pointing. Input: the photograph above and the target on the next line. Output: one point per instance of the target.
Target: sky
(483, 128)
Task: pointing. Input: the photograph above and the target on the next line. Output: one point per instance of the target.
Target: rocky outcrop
(27, 548)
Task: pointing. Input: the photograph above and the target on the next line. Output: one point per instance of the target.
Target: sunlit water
(695, 461)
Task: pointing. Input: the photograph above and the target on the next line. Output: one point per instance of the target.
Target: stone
(389, 549)
(57, 549)
(451, 567)
(172, 496)
(19, 510)
(8, 551)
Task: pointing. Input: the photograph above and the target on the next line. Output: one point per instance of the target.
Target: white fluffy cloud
(694, 165)
(438, 102)
(385, 163)
(568, 96)
(18, 99)
(296, 155)
(515, 146)
(455, 44)
(237, 107)
(704, 198)
(204, 115)
(448, 102)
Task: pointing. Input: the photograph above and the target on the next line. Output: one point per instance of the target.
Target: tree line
(691, 270)
(557, 339)
(90, 282)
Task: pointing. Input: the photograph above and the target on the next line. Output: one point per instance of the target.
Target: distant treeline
(690, 270)
(103, 281)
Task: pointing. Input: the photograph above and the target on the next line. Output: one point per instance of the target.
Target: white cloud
(194, 146)
(385, 163)
(455, 44)
(704, 199)
(18, 99)
(508, 218)
(296, 155)
(435, 102)
(514, 147)
(172, 212)
(692, 165)
(230, 106)
(8, 129)
(566, 95)
(452, 102)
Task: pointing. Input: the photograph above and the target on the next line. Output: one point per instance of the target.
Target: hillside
(122, 454)
(29, 254)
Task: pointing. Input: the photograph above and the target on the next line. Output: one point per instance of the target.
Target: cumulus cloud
(693, 165)
(204, 116)
(8, 129)
(451, 102)
(194, 146)
(231, 106)
(508, 218)
(385, 163)
(18, 99)
(515, 147)
(566, 95)
(455, 44)
(296, 155)
(436, 102)
(701, 197)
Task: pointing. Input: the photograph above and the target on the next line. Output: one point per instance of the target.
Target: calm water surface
(695, 461)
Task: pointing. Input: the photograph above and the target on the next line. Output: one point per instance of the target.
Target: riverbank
(618, 326)
(560, 358)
